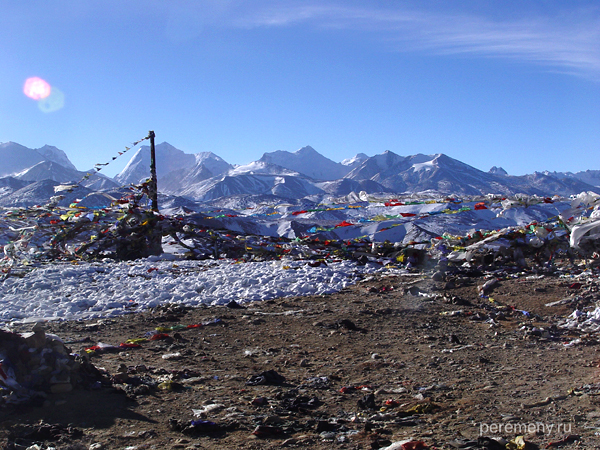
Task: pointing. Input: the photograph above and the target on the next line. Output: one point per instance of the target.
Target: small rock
(328, 435)
(367, 402)
(235, 305)
(260, 401)
(266, 431)
(450, 285)
(454, 339)
(324, 425)
(347, 324)
(272, 420)
(437, 276)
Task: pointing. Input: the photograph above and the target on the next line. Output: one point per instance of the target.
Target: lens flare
(54, 102)
(36, 88)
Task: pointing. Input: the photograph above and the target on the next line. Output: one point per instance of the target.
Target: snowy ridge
(591, 177)
(168, 159)
(283, 186)
(49, 170)
(51, 153)
(64, 291)
(16, 158)
(307, 161)
(355, 160)
(261, 168)
(215, 164)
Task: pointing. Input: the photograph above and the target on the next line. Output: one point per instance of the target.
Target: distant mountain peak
(56, 155)
(10, 143)
(306, 161)
(497, 171)
(17, 158)
(305, 149)
(174, 167)
(166, 146)
(356, 159)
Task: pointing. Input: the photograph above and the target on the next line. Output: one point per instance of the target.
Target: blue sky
(506, 83)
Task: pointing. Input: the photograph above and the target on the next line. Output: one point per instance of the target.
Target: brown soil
(446, 376)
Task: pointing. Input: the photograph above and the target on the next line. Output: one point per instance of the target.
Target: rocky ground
(391, 359)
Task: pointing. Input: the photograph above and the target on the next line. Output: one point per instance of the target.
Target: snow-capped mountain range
(206, 177)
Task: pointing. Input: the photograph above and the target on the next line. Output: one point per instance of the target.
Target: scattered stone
(234, 305)
(267, 377)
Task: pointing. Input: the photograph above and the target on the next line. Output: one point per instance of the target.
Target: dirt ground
(392, 358)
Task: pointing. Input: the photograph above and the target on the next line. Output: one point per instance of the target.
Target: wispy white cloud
(566, 43)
